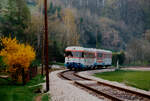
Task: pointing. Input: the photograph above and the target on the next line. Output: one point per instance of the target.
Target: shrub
(118, 56)
(2, 64)
(17, 56)
(35, 63)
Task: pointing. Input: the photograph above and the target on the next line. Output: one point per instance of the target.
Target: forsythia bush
(17, 56)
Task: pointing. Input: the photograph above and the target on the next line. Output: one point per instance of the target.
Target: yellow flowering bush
(16, 56)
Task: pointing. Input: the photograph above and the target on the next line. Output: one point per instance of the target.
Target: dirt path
(4, 76)
(137, 68)
(38, 98)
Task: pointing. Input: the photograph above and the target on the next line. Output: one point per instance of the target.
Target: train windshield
(74, 54)
(68, 54)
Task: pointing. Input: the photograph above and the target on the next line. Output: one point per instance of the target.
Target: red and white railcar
(81, 58)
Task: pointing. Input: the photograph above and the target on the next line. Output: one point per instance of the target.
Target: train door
(107, 59)
(104, 58)
(99, 59)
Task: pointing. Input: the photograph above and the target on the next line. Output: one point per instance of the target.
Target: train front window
(73, 54)
(77, 54)
(68, 53)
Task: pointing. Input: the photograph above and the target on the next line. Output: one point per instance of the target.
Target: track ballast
(99, 89)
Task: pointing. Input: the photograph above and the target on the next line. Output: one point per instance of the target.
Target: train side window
(91, 55)
(104, 55)
(77, 54)
(85, 54)
(99, 55)
(108, 56)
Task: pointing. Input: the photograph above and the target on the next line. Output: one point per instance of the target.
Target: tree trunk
(23, 77)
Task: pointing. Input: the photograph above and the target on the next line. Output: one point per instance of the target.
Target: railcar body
(82, 58)
(103, 58)
(74, 57)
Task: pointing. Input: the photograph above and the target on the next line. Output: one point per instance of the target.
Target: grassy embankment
(56, 63)
(11, 92)
(138, 79)
(45, 97)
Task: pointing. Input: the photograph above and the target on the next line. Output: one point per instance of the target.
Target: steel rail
(106, 84)
(120, 88)
(125, 89)
(61, 74)
(113, 98)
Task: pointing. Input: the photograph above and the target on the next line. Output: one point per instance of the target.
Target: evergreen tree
(16, 19)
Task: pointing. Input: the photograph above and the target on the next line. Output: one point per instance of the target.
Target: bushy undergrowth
(11, 92)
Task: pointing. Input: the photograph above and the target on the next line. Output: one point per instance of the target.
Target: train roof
(101, 50)
(86, 49)
(74, 48)
(90, 49)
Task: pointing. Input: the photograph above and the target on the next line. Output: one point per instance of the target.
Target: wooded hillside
(108, 24)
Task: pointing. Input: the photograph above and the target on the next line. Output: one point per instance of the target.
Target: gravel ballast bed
(63, 90)
(114, 92)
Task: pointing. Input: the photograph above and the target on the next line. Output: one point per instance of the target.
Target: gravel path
(62, 90)
(38, 98)
(137, 68)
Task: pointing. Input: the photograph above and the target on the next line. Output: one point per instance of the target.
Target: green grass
(11, 92)
(57, 63)
(138, 63)
(45, 97)
(138, 79)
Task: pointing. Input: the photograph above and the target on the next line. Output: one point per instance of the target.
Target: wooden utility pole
(42, 71)
(96, 36)
(46, 46)
(42, 36)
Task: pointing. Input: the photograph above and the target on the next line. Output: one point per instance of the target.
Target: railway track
(99, 89)
(71, 75)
